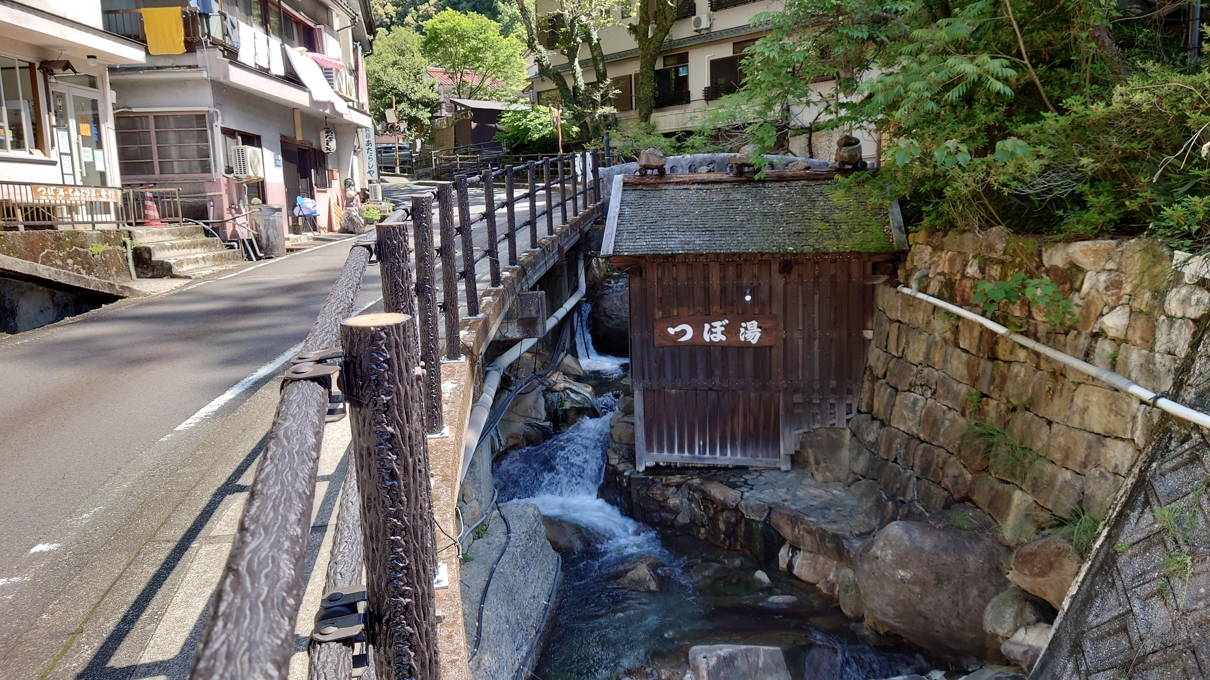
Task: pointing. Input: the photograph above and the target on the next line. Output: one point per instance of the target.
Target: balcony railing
(713, 92)
(686, 9)
(716, 5)
(672, 99)
(200, 29)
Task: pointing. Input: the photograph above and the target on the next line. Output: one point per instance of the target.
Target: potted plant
(371, 214)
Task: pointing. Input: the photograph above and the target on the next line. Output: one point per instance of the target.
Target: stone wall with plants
(952, 412)
(99, 253)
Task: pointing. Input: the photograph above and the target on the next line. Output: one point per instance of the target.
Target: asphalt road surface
(120, 433)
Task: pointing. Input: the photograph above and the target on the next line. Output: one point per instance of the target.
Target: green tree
(1039, 115)
(397, 69)
(533, 131)
(654, 19)
(575, 25)
(483, 63)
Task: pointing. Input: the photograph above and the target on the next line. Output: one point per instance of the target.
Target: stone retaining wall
(930, 375)
(96, 253)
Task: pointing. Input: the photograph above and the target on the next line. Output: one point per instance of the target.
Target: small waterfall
(561, 476)
(590, 359)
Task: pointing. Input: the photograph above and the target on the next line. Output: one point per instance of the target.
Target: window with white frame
(18, 114)
(159, 145)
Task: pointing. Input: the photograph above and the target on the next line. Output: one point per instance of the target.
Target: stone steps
(179, 252)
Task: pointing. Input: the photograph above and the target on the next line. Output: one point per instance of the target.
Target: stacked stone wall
(931, 375)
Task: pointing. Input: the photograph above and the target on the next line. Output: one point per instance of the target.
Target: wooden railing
(385, 523)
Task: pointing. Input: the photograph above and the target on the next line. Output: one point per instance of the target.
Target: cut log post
(533, 205)
(489, 216)
(426, 312)
(468, 248)
(562, 190)
(394, 267)
(390, 453)
(510, 198)
(596, 176)
(575, 195)
(449, 271)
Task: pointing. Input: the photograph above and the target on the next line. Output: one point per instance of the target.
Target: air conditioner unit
(375, 192)
(702, 22)
(246, 163)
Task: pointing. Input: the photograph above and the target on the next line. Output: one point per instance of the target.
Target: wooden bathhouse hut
(751, 307)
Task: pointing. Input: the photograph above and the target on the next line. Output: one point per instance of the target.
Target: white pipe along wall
(1141, 393)
(494, 370)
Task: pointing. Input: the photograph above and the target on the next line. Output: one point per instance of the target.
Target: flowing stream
(705, 595)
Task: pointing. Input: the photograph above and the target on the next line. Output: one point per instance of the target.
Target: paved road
(118, 499)
(107, 476)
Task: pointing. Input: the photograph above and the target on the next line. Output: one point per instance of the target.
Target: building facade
(699, 63)
(242, 101)
(57, 121)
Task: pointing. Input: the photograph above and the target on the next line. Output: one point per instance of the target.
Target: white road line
(245, 384)
(236, 389)
(44, 547)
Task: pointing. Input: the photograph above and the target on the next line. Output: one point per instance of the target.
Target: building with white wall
(699, 63)
(243, 100)
(57, 118)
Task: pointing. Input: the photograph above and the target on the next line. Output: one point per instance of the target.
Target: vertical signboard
(371, 154)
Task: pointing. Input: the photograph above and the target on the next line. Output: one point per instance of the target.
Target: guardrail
(385, 523)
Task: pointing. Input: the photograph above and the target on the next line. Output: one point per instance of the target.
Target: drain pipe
(1139, 392)
(494, 371)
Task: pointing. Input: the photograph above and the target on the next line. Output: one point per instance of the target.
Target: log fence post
(493, 242)
(468, 248)
(562, 190)
(390, 454)
(449, 271)
(426, 311)
(575, 194)
(596, 176)
(550, 208)
(533, 205)
(510, 199)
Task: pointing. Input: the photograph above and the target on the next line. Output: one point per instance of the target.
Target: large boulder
(737, 662)
(1013, 609)
(1025, 647)
(610, 315)
(567, 401)
(1045, 567)
(930, 584)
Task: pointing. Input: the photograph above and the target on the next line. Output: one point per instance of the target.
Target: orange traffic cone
(151, 214)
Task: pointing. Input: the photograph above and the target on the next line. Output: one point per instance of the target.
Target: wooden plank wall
(747, 405)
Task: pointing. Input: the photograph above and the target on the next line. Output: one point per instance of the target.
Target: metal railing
(712, 92)
(51, 206)
(672, 99)
(201, 30)
(385, 522)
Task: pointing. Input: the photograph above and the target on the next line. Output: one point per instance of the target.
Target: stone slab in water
(732, 662)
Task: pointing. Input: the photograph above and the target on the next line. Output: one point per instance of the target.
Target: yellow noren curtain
(165, 29)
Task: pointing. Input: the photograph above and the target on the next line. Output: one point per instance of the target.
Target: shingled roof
(798, 213)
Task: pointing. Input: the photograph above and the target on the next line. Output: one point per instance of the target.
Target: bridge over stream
(453, 269)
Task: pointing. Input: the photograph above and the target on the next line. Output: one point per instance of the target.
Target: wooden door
(706, 401)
